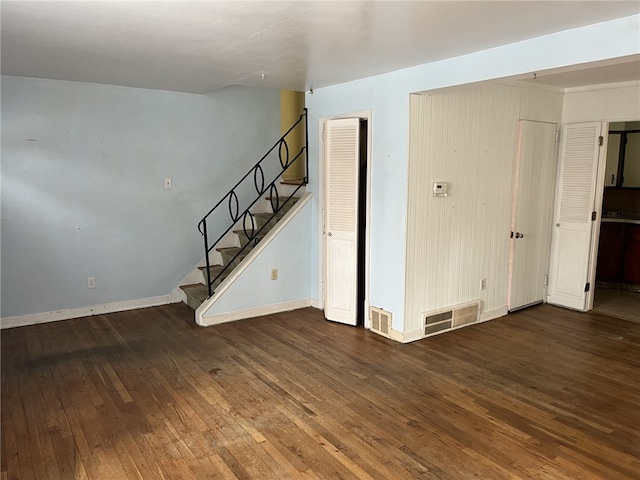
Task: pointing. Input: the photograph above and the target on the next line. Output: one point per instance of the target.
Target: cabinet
(610, 252)
(631, 262)
(619, 253)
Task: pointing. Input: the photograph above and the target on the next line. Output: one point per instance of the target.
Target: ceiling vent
(443, 319)
(380, 322)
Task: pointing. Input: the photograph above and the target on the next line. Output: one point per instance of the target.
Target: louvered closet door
(342, 147)
(572, 230)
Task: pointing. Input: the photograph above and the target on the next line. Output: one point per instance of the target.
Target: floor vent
(450, 317)
(381, 322)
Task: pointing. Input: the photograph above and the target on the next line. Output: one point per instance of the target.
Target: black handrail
(233, 203)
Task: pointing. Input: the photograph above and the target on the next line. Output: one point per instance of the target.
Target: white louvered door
(341, 230)
(535, 167)
(573, 225)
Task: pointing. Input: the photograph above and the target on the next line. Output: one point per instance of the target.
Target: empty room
(320, 239)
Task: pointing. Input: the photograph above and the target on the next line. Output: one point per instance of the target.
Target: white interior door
(533, 188)
(341, 228)
(573, 230)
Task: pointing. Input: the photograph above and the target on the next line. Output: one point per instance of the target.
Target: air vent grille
(443, 319)
(380, 322)
(466, 315)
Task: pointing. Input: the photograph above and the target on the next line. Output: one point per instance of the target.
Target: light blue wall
(388, 98)
(82, 185)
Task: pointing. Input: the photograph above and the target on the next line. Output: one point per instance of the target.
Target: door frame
(322, 271)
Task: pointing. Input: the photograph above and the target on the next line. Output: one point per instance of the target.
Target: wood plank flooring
(622, 304)
(544, 393)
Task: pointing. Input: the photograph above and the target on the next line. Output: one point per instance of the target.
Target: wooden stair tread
(229, 249)
(194, 286)
(197, 290)
(293, 199)
(214, 269)
(196, 294)
(240, 232)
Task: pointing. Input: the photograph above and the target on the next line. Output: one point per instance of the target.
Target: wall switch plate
(274, 274)
(91, 282)
(167, 183)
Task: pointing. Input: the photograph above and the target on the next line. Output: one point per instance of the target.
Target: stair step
(287, 187)
(261, 218)
(283, 198)
(196, 294)
(287, 206)
(214, 270)
(229, 252)
(244, 239)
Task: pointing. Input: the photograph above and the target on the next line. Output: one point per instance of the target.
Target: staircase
(234, 249)
(246, 214)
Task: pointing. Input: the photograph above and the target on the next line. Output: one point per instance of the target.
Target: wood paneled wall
(466, 137)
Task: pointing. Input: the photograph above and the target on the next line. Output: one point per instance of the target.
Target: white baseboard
(252, 312)
(44, 317)
(493, 313)
(406, 337)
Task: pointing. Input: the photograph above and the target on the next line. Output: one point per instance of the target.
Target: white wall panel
(540, 105)
(465, 137)
(613, 103)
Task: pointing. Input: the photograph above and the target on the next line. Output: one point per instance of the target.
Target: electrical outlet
(274, 274)
(167, 183)
(91, 282)
(483, 284)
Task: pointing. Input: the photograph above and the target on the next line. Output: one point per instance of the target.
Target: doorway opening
(617, 291)
(362, 223)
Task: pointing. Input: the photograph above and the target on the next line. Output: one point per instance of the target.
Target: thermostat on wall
(440, 189)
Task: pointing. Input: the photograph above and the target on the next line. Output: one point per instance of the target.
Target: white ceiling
(199, 46)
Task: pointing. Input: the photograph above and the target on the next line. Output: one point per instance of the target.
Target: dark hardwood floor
(544, 393)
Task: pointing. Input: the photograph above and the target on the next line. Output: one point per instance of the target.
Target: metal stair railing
(232, 200)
